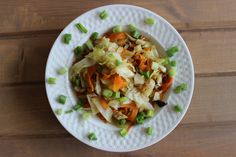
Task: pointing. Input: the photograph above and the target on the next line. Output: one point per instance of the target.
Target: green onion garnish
(107, 93)
(172, 51)
(79, 50)
(123, 99)
(132, 27)
(77, 106)
(68, 111)
(52, 80)
(94, 36)
(177, 108)
(62, 99)
(86, 115)
(172, 63)
(116, 95)
(62, 71)
(150, 21)
(140, 118)
(58, 111)
(172, 72)
(81, 28)
(92, 136)
(103, 15)
(122, 121)
(117, 29)
(123, 132)
(149, 130)
(117, 62)
(136, 34)
(67, 38)
(146, 74)
(180, 88)
(150, 113)
(89, 44)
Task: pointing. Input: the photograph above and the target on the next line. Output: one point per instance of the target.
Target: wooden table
(27, 32)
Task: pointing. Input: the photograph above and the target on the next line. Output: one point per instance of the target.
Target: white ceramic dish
(108, 138)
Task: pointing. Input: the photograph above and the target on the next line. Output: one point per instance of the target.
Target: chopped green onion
(94, 36)
(172, 63)
(92, 136)
(123, 132)
(89, 44)
(146, 74)
(79, 50)
(150, 21)
(149, 131)
(140, 118)
(150, 113)
(177, 108)
(77, 106)
(136, 34)
(132, 27)
(52, 80)
(172, 51)
(117, 29)
(180, 88)
(81, 28)
(122, 121)
(58, 111)
(62, 71)
(172, 72)
(62, 99)
(123, 99)
(117, 62)
(86, 115)
(116, 95)
(103, 15)
(107, 93)
(68, 111)
(67, 38)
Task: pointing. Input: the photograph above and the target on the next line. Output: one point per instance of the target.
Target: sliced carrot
(134, 111)
(104, 103)
(100, 116)
(118, 83)
(167, 84)
(117, 36)
(147, 49)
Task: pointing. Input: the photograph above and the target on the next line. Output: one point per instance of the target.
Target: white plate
(108, 138)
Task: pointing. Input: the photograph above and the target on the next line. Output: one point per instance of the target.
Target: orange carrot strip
(167, 84)
(117, 36)
(134, 111)
(118, 83)
(104, 104)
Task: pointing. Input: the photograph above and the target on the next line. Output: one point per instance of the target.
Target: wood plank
(31, 15)
(191, 141)
(23, 59)
(25, 110)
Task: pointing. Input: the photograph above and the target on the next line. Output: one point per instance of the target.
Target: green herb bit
(79, 50)
(92, 136)
(180, 88)
(107, 93)
(136, 34)
(123, 99)
(77, 106)
(172, 72)
(85, 115)
(172, 63)
(140, 118)
(132, 27)
(94, 36)
(67, 38)
(62, 71)
(103, 15)
(117, 62)
(89, 44)
(122, 122)
(123, 132)
(149, 130)
(58, 111)
(117, 29)
(177, 108)
(68, 111)
(81, 28)
(150, 113)
(150, 21)
(52, 80)
(62, 99)
(172, 51)
(116, 95)
(146, 74)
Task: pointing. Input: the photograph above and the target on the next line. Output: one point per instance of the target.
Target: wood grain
(186, 140)
(33, 15)
(27, 112)
(23, 59)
